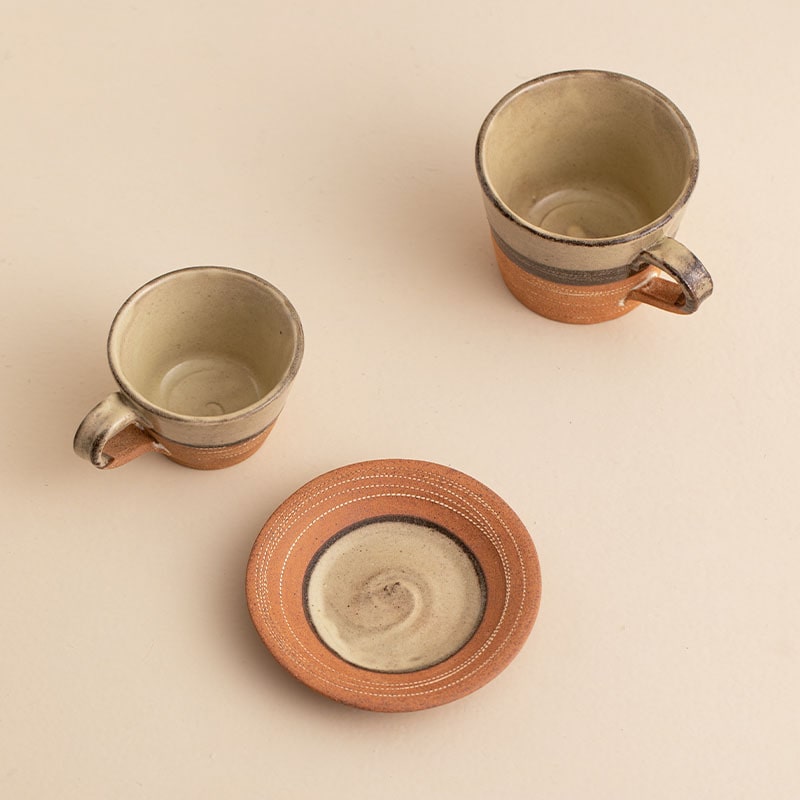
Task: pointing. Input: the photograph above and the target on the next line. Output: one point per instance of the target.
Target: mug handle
(692, 282)
(112, 434)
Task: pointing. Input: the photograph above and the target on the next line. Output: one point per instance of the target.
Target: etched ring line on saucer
(446, 497)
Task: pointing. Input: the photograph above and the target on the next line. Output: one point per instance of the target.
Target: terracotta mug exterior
(585, 176)
(204, 358)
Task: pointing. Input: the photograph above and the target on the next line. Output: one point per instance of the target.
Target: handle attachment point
(691, 285)
(111, 434)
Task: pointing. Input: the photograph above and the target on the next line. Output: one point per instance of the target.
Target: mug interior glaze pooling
(203, 343)
(589, 155)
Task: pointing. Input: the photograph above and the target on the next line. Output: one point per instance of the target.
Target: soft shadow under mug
(585, 176)
(204, 358)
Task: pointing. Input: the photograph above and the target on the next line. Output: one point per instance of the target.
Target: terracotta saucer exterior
(438, 497)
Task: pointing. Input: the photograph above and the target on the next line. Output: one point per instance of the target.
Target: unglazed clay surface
(395, 595)
(400, 616)
(585, 173)
(654, 459)
(204, 358)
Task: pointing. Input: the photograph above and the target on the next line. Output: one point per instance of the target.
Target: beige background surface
(328, 148)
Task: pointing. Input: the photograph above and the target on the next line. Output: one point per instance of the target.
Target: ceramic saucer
(394, 585)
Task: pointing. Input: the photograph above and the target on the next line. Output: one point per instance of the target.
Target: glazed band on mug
(204, 358)
(585, 176)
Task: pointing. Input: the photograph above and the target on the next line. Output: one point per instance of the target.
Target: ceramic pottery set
(397, 585)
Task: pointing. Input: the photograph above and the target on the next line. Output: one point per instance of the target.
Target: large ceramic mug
(585, 176)
(203, 358)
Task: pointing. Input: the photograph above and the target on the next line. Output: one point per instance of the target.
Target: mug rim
(247, 411)
(659, 222)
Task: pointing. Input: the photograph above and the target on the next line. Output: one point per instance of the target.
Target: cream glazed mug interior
(204, 358)
(585, 176)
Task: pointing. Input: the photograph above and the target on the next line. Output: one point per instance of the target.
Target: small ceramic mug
(585, 176)
(204, 358)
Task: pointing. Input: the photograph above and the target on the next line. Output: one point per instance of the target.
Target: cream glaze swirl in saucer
(394, 585)
(395, 594)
